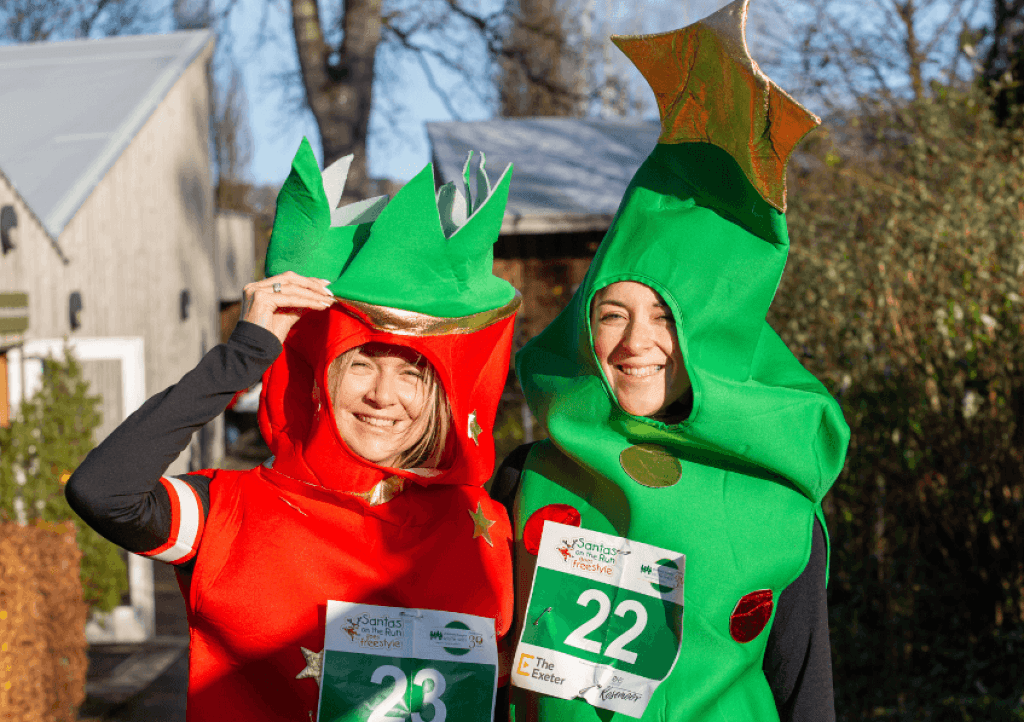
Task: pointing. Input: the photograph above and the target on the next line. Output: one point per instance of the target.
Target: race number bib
(605, 619)
(388, 664)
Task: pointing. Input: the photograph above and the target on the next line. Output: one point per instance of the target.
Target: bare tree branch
(881, 51)
(41, 20)
(438, 91)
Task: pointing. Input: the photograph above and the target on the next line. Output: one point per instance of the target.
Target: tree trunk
(339, 90)
(915, 60)
(1006, 55)
(541, 74)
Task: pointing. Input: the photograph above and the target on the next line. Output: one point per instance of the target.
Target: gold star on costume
(314, 665)
(481, 523)
(710, 90)
(474, 428)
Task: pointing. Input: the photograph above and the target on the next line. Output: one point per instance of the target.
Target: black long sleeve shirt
(119, 489)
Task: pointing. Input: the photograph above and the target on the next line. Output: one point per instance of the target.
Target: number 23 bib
(387, 664)
(604, 621)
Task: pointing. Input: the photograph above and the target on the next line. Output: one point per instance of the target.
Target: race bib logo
(664, 576)
(538, 668)
(612, 693)
(566, 550)
(376, 632)
(588, 556)
(455, 638)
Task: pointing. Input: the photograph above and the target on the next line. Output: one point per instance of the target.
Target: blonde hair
(429, 450)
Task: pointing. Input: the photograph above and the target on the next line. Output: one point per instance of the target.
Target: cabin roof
(69, 109)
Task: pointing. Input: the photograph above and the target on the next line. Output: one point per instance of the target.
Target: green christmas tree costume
(736, 486)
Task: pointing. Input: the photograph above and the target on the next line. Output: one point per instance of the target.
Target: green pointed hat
(425, 251)
(702, 223)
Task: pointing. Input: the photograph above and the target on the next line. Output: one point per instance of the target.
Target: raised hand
(276, 303)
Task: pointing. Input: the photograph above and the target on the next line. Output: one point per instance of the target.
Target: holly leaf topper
(425, 251)
(311, 237)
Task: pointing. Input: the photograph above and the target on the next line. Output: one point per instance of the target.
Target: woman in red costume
(382, 339)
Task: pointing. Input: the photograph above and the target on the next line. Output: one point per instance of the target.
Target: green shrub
(47, 440)
(904, 293)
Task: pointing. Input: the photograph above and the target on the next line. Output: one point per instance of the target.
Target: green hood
(695, 229)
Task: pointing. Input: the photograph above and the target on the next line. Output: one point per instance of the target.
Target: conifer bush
(904, 294)
(47, 440)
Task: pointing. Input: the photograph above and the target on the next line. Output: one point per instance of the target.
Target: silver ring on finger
(277, 288)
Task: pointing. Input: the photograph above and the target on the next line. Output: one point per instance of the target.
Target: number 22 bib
(386, 664)
(604, 621)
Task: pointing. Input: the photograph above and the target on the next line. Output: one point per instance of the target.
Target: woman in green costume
(678, 419)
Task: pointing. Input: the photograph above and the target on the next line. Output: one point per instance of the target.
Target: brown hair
(429, 449)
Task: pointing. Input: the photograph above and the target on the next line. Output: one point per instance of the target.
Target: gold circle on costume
(651, 465)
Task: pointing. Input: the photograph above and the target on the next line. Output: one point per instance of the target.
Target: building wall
(20, 267)
(145, 234)
(236, 250)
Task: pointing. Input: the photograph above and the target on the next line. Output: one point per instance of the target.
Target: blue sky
(398, 144)
(278, 126)
(397, 149)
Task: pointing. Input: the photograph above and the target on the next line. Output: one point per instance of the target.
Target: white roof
(569, 174)
(69, 109)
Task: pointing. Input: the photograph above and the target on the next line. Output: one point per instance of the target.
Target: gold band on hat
(410, 323)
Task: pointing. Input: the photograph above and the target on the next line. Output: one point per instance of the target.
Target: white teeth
(374, 421)
(640, 371)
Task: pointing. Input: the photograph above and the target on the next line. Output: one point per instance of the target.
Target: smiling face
(635, 342)
(386, 404)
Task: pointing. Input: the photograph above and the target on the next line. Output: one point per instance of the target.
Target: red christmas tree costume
(282, 539)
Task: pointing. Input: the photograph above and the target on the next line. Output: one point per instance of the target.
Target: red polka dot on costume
(561, 513)
(750, 616)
